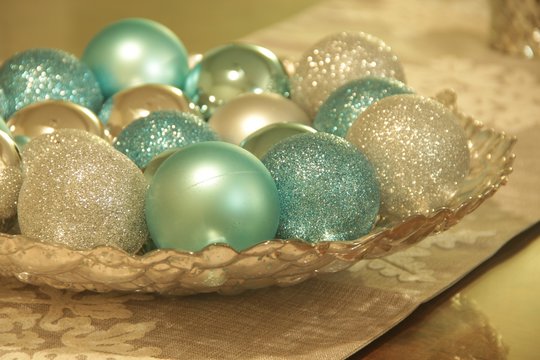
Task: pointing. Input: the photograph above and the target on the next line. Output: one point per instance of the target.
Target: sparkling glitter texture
(79, 191)
(40, 74)
(147, 137)
(10, 183)
(327, 188)
(336, 60)
(344, 105)
(418, 149)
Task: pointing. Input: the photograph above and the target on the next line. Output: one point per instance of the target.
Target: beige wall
(70, 24)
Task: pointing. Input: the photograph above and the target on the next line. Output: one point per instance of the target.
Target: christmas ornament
(263, 139)
(3, 104)
(147, 137)
(155, 163)
(231, 70)
(10, 181)
(247, 113)
(418, 149)
(133, 103)
(327, 188)
(209, 193)
(42, 74)
(51, 115)
(336, 60)
(80, 192)
(343, 106)
(132, 52)
(4, 127)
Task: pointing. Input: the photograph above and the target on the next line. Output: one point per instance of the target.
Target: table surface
(491, 312)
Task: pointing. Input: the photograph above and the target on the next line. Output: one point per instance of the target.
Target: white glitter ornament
(418, 149)
(336, 60)
(79, 191)
(10, 181)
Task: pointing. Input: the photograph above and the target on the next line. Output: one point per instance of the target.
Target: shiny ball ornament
(147, 137)
(10, 181)
(231, 70)
(262, 140)
(327, 188)
(80, 192)
(418, 149)
(3, 104)
(46, 74)
(343, 106)
(132, 52)
(336, 60)
(247, 113)
(130, 104)
(210, 193)
(51, 115)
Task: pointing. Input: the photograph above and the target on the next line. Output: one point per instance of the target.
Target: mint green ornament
(132, 52)
(209, 193)
(230, 70)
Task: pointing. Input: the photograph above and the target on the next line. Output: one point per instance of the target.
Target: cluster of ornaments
(137, 143)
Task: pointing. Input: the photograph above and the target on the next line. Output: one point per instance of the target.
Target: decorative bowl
(218, 268)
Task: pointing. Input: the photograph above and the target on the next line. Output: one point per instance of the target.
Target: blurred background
(69, 25)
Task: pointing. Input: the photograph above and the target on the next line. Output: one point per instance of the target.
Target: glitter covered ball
(231, 70)
(41, 74)
(79, 191)
(418, 149)
(327, 188)
(147, 137)
(336, 60)
(344, 105)
(10, 180)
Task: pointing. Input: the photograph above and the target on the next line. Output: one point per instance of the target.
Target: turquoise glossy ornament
(231, 70)
(37, 75)
(343, 106)
(210, 193)
(263, 139)
(133, 52)
(327, 188)
(4, 127)
(3, 104)
(149, 136)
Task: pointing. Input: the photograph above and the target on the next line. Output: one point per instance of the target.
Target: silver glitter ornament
(336, 60)
(42, 74)
(80, 192)
(10, 181)
(418, 149)
(327, 188)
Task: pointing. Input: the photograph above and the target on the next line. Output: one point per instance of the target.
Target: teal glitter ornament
(210, 193)
(4, 127)
(149, 136)
(48, 74)
(343, 106)
(231, 70)
(132, 52)
(105, 111)
(327, 188)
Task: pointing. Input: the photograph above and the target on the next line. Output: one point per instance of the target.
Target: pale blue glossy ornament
(4, 127)
(3, 104)
(231, 70)
(135, 51)
(210, 193)
(327, 188)
(149, 136)
(36, 75)
(344, 106)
